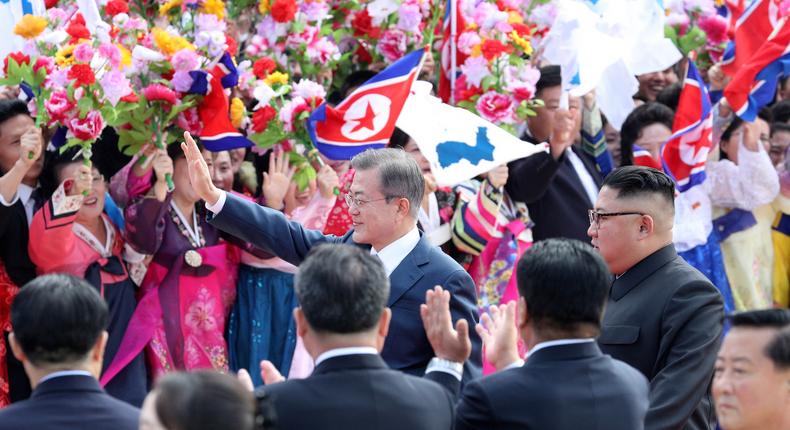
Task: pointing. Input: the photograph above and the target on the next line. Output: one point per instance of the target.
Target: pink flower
(520, 81)
(159, 93)
(495, 107)
(115, 86)
(111, 53)
(409, 17)
(189, 120)
(523, 92)
(83, 53)
(296, 40)
(314, 10)
(323, 51)
(467, 40)
(715, 27)
(57, 16)
(185, 60)
(392, 44)
(57, 79)
(48, 63)
(88, 128)
(58, 105)
(475, 69)
(289, 111)
(308, 89)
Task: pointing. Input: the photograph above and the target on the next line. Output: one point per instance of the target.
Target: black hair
(353, 80)
(550, 76)
(762, 318)
(57, 319)
(778, 350)
(341, 289)
(636, 181)
(781, 111)
(203, 400)
(727, 135)
(670, 95)
(54, 162)
(12, 108)
(641, 117)
(565, 284)
(779, 127)
(399, 139)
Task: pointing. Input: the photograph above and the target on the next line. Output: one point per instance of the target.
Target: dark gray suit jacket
(665, 319)
(406, 348)
(563, 387)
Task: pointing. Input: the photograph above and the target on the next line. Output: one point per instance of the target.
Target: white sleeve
(217, 207)
(750, 183)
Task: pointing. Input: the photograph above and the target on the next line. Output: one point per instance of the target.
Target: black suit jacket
(553, 193)
(406, 348)
(70, 402)
(563, 387)
(14, 235)
(360, 392)
(665, 319)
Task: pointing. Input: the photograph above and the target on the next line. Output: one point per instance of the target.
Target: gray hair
(399, 174)
(341, 289)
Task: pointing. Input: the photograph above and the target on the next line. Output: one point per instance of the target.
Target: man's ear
(647, 226)
(522, 314)
(403, 206)
(301, 322)
(16, 348)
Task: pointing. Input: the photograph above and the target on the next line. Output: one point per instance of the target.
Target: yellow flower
(65, 56)
(214, 7)
(168, 43)
(521, 42)
(515, 18)
(718, 3)
(477, 50)
(263, 7)
(126, 56)
(237, 112)
(471, 26)
(30, 26)
(276, 78)
(165, 8)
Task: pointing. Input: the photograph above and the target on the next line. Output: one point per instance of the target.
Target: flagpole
(453, 59)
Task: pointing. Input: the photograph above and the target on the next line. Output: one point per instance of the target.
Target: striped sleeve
(593, 140)
(475, 219)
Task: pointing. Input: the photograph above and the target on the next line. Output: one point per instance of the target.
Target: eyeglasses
(352, 201)
(595, 216)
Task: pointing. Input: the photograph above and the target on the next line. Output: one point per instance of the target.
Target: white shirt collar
(588, 183)
(60, 373)
(392, 254)
(430, 221)
(550, 343)
(339, 352)
(25, 191)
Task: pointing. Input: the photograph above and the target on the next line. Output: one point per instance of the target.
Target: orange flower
(30, 26)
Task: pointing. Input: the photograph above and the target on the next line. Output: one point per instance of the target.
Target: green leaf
(692, 40)
(488, 82)
(303, 176)
(468, 105)
(85, 104)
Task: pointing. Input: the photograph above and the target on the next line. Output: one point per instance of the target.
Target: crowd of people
(583, 286)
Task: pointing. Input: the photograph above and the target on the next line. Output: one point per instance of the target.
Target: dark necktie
(38, 199)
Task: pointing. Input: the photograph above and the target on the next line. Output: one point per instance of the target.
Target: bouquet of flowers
(694, 26)
(497, 80)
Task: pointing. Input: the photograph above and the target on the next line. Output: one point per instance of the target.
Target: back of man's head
(57, 320)
(342, 289)
(564, 283)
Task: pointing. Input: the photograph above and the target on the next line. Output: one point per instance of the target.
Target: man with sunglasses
(663, 317)
(384, 198)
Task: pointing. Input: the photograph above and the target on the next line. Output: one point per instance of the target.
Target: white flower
(141, 53)
(379, 10)
(263, 93)
(308, 89)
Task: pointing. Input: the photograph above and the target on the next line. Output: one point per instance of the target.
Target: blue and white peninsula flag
(459, 144)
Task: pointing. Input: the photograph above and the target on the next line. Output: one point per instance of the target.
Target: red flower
(46, 62)
(263, 67)
(493, 48)
(159, 93)
(362, 54)
(82, 74)
(363, 25)
(283, 10)
(130, 98)
(77, 28)
(522, 29)
(114, 7)
(49, 4)
(233, 46)
(169, 74)
(261, 118)
(464, 91)
(88, 128)
(19, 57)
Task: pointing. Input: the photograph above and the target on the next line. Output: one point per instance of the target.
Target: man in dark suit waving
(663, 316)
(384, 198)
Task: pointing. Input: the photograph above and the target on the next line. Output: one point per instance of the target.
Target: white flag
(459, 144)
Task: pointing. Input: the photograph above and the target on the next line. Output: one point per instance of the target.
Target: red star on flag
(367, 120)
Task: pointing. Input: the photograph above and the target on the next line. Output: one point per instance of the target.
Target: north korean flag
(366, 118)
(686, 151)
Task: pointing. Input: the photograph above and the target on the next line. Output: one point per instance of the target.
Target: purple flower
(467, 40)
(208, 22)
(111, 53)
(314, 10)
(323, 50)
(83, 53)
(475, 69)
(58, 79)
(182, 81)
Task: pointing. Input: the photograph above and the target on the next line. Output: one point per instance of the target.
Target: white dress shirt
(23, 193)
(216, 207)
(392, 254)
(339, 352)
(584, 176)
(58, 374)
(547, 344)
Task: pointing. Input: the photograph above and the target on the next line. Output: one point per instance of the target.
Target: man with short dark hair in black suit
(343, 320)
(567, 383)
(663, 317)
(59, 335)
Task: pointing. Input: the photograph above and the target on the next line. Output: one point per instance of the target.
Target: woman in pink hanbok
(190, 284)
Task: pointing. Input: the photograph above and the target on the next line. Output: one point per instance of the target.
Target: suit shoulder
(677, 276)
